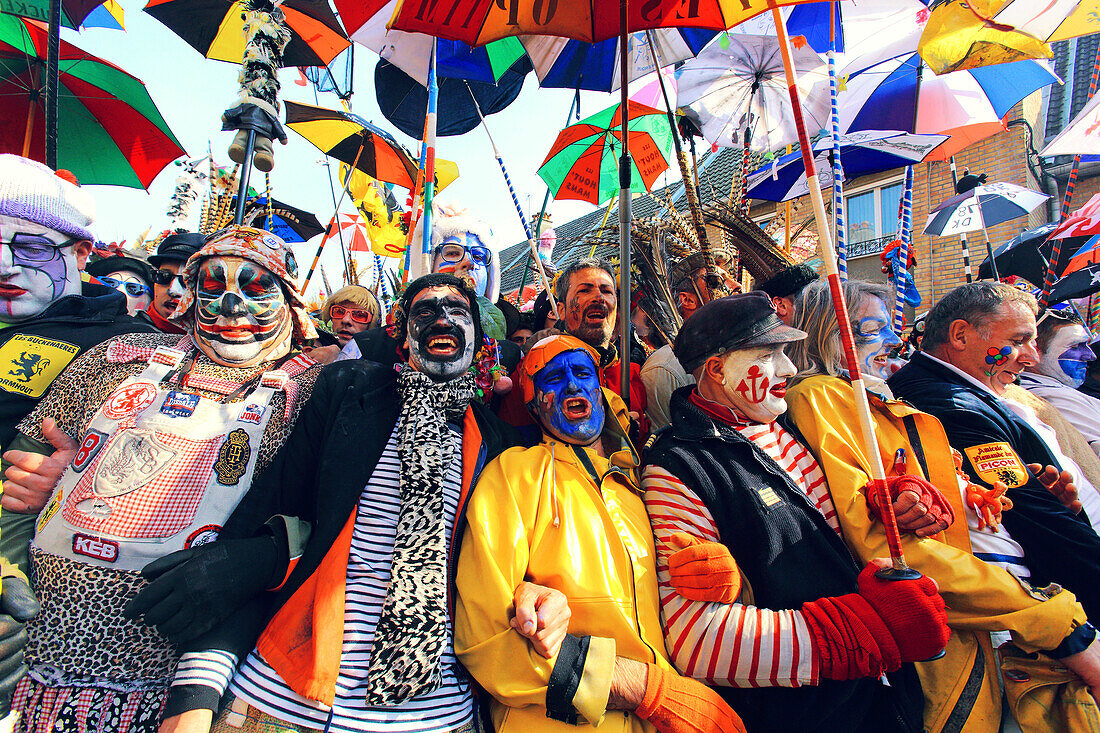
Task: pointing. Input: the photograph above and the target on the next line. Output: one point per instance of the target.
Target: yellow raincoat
(980, 597)
(537, 514)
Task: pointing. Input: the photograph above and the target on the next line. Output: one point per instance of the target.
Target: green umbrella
(583, 162)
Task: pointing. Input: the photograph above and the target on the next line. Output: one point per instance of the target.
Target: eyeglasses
(133, 289)
(457, 252)
(34, 248)
(164, 277)
(337, 312)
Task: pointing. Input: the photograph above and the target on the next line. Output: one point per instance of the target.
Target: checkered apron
(159, 469)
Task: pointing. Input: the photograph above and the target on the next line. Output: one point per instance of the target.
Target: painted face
(874, 338)
(590, 306)
(133, 287)
(349, 319)
(35, 269)
(167, 288)
(467, 258)
(440, 333)
(756, 382)
(1002, 348)
(568, 400)
(1068, 355)
(242, 317)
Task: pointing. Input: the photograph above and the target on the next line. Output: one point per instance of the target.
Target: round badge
(272, 242)
(291, 265)
(129, 400)
(202, 536)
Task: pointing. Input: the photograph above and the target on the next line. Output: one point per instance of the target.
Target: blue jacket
(1060, 547)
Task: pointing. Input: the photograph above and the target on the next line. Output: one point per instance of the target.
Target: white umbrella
(1082, 134)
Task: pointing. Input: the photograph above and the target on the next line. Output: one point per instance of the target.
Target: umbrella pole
(242, 189)
(334, 222)
(962, 235)
(624, 215)
(838, 169)
(317, 257)
(53, 50)
(429, 165)
(863, 409)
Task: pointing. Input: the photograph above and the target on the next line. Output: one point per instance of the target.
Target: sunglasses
(34, 248)
(337, 312)
(133, 289)
(165, 277)
(457, 252)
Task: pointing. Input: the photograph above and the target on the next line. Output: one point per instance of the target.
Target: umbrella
(287, 222)
(959, 35)
(112, 134)
(73, 12)
(354, 230)
(1078, 284)
(1026, 255)
(215, 28)
(861, 154)
(1081, 135)
(354, 141)
(109, 15)
(404, 102)
(1052, 20)
(582, 163)
(737, 85)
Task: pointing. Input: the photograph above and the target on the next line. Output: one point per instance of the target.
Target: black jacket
(788, 555)
(318, 476)
(33, 352)
(1060, 547)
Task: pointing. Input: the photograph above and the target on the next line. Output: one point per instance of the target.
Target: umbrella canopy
(981, 208)
(73, 12)
(1026, 255)
(861, 154)
(287, 222)
(215, 28)
(354, 141)
(355, 232)
(958, 36)
(1081, 135)
(1078, 284)
(108, 15)
(738, 83)
(404, 102)
(1083, 222)
(583, 162)
(1051, 20)
(110, 132)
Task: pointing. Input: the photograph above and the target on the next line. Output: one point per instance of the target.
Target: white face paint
(1067, 356)
(756, 382)
(241, 315)
(134, 303)
(35, 272)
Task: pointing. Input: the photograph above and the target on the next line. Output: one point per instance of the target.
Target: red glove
(939, 508)
(703, 571)
(675, 704)
(912, 609)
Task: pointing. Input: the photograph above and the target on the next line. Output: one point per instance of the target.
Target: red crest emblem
(129, 400)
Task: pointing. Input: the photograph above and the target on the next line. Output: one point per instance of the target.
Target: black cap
(684, 268)
(177, 248)
(789, 281)
(105, 265)
(741, 321)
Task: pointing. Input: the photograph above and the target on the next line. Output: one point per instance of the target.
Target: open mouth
(880, 360)
(10, 291)
(576, 408)
(443, 345)
(779, 390)
(244, 331)
(595, 314)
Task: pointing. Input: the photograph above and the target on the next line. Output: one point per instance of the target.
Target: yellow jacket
(537, 514)
(980, 597)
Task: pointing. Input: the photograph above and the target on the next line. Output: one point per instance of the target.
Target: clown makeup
(467, 258)
(242, 317)
(568, 400)
(873, 337)
(440, 333)
(37, 266)
(1067, 355)
(133, 287)
(754, 382)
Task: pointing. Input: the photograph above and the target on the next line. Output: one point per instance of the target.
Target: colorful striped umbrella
(215, 28)
(110, 131)
(583, 162)
(73, 12)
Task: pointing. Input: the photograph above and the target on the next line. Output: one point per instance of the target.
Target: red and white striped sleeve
(722, 644)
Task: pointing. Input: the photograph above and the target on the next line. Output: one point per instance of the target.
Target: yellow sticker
(768, 495)
(29, 364)
(47, 515)
(997, 462)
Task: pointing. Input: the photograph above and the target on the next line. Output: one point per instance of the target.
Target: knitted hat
(32, 191)
(541, 354)
(261, 247)
(788, 282)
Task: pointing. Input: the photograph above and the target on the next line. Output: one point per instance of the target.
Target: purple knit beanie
(31, 191)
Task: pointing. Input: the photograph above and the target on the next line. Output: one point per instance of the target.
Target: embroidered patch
(129, 400)
(29, 364)
(50, 510)
(180, 404)
(768, 496)
(95, 547)
(233, 458)
(252, 414)
(202, 536)
(997, 462)
(89, 448)
(131, 461)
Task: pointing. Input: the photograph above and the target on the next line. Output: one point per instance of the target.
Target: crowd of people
(223, 512)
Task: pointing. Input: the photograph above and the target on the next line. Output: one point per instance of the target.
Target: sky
(192, 91)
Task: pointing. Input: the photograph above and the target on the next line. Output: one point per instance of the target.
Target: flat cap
(741, 321)
(789, 281)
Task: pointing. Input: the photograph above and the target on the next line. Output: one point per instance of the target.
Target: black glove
(193, 590)
(19, 606)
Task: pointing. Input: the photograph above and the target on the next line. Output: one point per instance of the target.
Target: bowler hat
(741, 321)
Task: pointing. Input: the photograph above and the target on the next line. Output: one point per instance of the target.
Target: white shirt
(1082, 411)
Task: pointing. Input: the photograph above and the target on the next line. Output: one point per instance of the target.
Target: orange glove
(675, 704)
(703, 571)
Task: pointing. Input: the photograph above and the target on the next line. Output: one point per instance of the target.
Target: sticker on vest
(129, 400)
(95, 547)
(51, 509)
(768, 496)
(202, 536)
(233, 458)
(252, 414)
(179, 404)
(29, 364)
(131, 461)
(89, 448)
(997, 462)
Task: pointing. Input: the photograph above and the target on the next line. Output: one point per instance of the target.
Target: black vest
(788, 554)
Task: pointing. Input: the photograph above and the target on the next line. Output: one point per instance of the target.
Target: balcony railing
(869, 246)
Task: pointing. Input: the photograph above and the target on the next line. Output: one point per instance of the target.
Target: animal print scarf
(412, 628)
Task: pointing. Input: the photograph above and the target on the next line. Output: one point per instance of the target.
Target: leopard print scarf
(412, 628)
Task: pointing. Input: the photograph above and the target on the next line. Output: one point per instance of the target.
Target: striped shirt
(449, 707)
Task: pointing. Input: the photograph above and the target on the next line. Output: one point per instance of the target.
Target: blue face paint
(568, 399)
(1075, 369)
(874, 338)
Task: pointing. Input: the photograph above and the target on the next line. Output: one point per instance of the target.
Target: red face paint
(754, 387)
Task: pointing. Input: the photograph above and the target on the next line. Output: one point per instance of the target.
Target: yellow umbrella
(962, 34)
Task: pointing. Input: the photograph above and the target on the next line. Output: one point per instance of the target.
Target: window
(873, 214)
